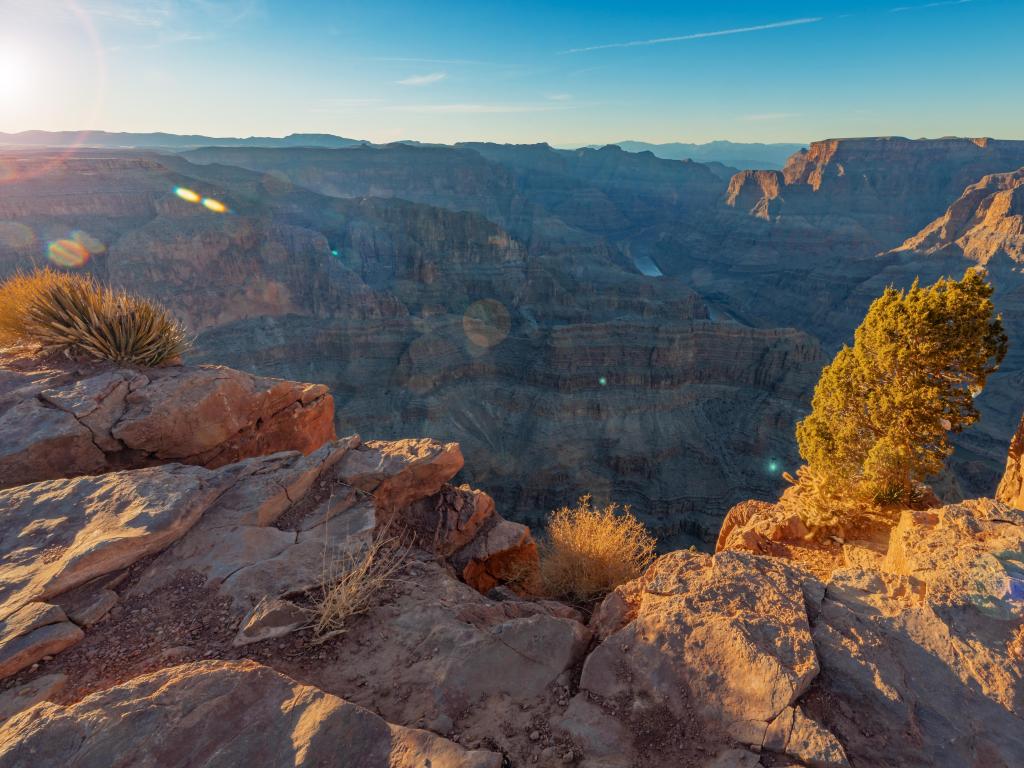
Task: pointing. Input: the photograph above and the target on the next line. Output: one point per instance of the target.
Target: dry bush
(588, 551)
(75, 315)
(352, 582)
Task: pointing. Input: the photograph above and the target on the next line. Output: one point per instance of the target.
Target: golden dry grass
(352, 582)
(75, 315)
(589, 551)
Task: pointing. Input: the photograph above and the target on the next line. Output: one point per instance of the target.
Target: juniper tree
(884, 409)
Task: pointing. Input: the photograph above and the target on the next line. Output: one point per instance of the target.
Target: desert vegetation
(588, 551)
(73, 314)
(352, 582)
(884, 409)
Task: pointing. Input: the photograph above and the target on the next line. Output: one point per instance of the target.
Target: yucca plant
(74, 314)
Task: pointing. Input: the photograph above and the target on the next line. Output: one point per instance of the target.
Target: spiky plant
(74, 314)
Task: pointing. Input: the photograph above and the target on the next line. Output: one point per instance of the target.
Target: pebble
(534, 735)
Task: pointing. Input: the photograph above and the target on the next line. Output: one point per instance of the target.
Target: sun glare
(14, 72)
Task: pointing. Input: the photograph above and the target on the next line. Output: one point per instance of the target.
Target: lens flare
(188, 195)
(68, 253)
(15, 235)
(214, 205)
(87, 241)
(486, 323)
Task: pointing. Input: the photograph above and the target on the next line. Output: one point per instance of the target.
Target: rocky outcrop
(694, 646)
(1011, 487)
(755, 192)
(217, 713)
(918, 637)
(984, 223)
(112, 577)
(64, 420)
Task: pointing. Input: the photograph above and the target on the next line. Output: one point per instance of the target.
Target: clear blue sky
(524, 71)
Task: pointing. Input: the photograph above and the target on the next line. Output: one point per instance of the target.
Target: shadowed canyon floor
(160, 613)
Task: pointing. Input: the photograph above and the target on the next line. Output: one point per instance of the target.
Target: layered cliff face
(444, 323)
(986, 222)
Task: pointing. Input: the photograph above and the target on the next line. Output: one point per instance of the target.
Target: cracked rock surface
(67, 419)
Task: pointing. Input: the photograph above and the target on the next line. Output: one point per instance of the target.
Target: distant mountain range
(727, 153)
(170, 141)
(732, 154)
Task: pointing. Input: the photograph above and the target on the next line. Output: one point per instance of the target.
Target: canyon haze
(597, 320)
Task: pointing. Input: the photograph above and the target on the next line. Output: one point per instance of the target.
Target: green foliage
(74, 314)
(884, 408)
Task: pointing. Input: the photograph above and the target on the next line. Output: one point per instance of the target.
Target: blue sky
(567, 73)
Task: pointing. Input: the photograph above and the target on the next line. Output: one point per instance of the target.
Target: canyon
(580, 321)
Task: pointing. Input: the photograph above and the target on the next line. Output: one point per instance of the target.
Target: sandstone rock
(502, 551)
(215, 416)
(604, 739)
(918, 647)
(32, 632)
(814, 745)
(1011, 487)
(270, 618)
(704, 643)
(89, 608)
(59, 534)
(237, 549)
(437, 651)
(220, 713)
(400, 472)
(41, 442)
(15, 700)
(68, 420)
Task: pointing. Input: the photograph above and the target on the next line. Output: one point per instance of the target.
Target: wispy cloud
(558, 96)
(902, 8)
(765, 116)
(476, 109)
(433, 77)
(699, 35)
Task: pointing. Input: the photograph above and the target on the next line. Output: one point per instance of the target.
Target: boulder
(220, 714)
(401, 472)
(67, 419)
(722, 643)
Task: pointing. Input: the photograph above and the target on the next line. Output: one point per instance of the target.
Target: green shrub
(884, 408)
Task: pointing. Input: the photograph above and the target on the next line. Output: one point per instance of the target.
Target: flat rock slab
(34, 631)
(439, 653)
(220, 714)
(19, 698)
(59, 534)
